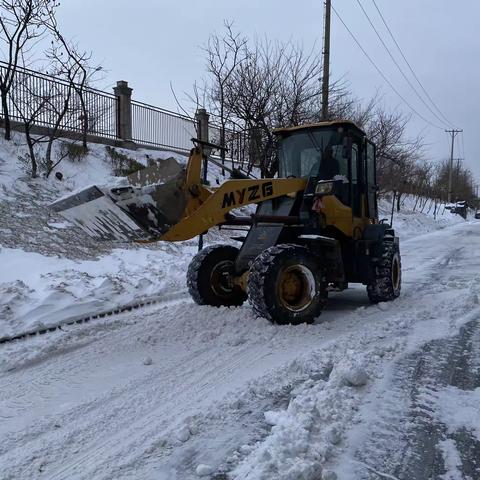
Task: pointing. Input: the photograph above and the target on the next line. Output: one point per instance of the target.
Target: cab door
(356, 180)
(371, 179)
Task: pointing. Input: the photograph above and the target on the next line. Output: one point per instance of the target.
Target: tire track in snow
(400, 436)
(110, 446)
(139, 419)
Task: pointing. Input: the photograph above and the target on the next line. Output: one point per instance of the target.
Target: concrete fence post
(202, 119)
(124, 110)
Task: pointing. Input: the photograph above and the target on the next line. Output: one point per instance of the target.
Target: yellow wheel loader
(315, 228)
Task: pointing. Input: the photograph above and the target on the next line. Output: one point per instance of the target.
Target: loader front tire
(209, 277)
(386, 283)
(286, 285)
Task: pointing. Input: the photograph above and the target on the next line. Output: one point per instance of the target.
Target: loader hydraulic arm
(208, 208)
(173, 207)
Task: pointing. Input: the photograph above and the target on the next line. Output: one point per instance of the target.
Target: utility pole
(455, 187)
(453, 133)
(326, 59)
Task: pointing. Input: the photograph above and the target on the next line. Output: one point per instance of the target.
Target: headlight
(324, 188)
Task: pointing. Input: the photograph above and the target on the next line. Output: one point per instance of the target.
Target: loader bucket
(127, 213)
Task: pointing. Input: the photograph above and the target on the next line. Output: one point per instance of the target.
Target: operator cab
(337, 151)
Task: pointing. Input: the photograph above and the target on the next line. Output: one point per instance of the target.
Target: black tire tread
(194, 270)
(381, 288)
(256, 280)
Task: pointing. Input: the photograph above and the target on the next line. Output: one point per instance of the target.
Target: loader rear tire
(387, 281)
(286, 285)
(209, 277)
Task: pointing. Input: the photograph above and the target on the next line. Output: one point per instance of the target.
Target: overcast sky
(151, 43)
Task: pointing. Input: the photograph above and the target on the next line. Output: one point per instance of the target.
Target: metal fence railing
(161, 128)
(38, 97)
(236, 142)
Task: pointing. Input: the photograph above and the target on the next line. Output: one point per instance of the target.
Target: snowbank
(39, 291)
(96, 167)
(417, 216)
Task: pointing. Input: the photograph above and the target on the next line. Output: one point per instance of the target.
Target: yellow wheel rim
(296, 288)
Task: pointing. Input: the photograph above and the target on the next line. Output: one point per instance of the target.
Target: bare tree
(58, 100)
(224, 54)
(255, 86)
(75, 66)
(258, 85)
(22, 23)
(30, 106)
(254, 96)
(462, 185)
(398, 155)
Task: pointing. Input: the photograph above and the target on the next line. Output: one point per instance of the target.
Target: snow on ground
(452, 460)
(459, 409)
(39, 291)
(180, 391)
(225, 392)
(94, 168)
(403, 426)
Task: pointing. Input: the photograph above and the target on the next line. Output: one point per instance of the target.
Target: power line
(409, 66)
(399, 67)
(381, 73)
(326, 60)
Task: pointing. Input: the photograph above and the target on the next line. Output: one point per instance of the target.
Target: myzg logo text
(250, 194)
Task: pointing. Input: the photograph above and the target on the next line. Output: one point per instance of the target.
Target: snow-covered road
(176, 391)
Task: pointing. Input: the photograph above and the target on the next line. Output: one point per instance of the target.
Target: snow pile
(95, 168)
(39, 291)
(306, 434)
